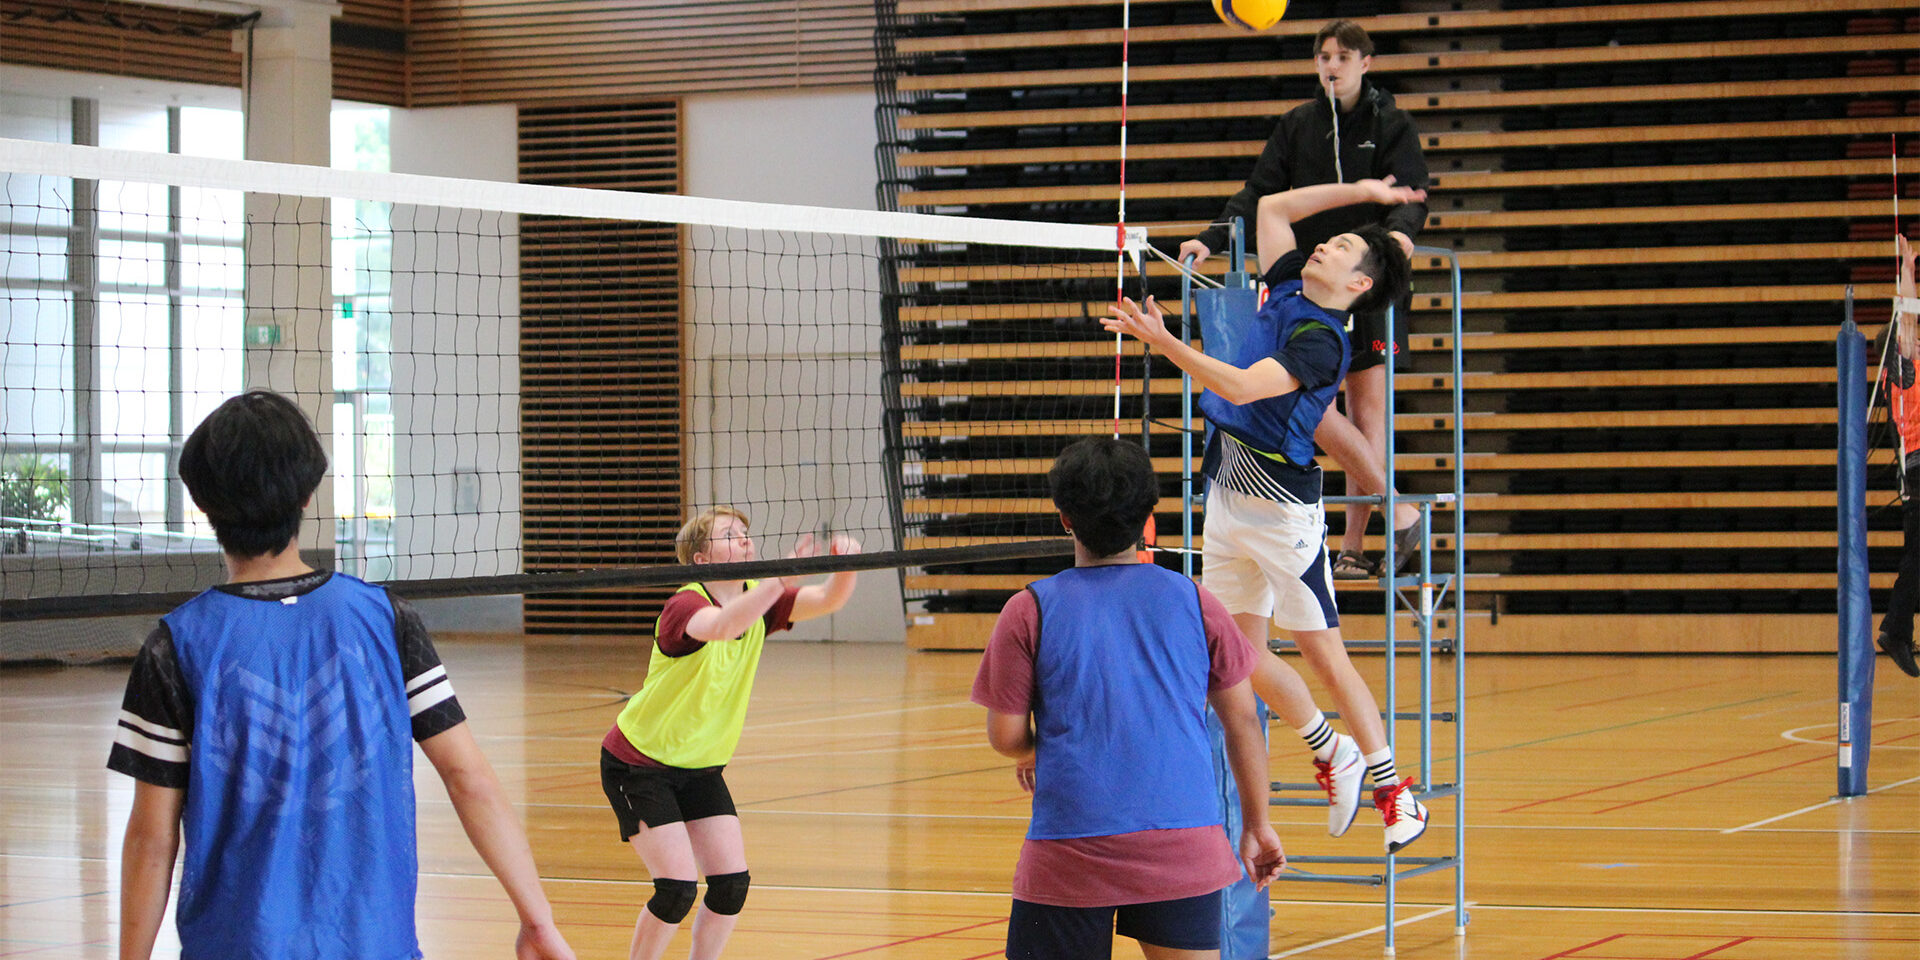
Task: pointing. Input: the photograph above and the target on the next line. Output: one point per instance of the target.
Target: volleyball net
(522, 388)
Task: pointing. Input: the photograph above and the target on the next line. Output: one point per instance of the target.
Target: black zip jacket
(1376, 139)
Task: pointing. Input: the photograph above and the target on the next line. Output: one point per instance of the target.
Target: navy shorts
(1039, 932)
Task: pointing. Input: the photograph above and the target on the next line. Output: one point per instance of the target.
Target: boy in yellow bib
(660, 764)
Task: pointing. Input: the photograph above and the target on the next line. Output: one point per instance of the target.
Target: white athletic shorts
(1269, 558)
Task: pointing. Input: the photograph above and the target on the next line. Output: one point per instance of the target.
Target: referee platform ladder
(1420, 594)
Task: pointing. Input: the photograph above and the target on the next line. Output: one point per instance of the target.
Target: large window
(122, 326)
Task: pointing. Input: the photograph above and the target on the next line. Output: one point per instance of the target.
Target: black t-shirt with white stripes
(156, 715)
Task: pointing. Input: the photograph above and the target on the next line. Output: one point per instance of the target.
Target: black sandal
(1355, 566)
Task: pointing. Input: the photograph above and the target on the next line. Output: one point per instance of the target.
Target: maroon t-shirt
(1140, 867)
(674, 642)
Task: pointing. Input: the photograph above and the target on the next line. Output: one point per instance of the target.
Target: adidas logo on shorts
(1302, 545)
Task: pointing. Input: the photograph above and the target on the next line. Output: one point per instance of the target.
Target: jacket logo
(1364, 145)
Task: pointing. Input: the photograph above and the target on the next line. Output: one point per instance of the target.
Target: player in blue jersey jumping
(1265, 554)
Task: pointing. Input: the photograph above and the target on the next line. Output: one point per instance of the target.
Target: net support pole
(1855, 604)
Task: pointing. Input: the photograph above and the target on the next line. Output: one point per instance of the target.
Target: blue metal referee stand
(1421, 594)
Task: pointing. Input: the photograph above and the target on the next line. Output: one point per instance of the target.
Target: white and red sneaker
(1340, 777)
(1405, 816)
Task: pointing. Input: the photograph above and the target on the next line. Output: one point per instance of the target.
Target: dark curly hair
(251, 466)
(1107, 490)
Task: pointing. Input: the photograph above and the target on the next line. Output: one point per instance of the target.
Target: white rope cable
(1194, 275)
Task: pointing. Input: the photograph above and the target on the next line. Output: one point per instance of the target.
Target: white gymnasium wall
(805, 147)
(456, 366)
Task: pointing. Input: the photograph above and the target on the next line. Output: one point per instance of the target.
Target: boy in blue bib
(1097, 682)
(272, 720)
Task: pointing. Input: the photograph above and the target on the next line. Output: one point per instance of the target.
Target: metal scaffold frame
(1421, 594)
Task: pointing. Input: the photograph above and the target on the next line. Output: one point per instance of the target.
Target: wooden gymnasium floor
(1646, 808)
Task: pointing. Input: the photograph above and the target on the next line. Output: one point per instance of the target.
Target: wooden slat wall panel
(371, 76)
(176, 53)
(478, 51)
(88, 45)
(600, 364)
(381, 13)
(1623, 181)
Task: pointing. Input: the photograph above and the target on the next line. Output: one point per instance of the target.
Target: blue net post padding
(1855, 641)
(1246, 914)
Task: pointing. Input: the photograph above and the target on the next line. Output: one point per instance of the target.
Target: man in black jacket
(1376, 141)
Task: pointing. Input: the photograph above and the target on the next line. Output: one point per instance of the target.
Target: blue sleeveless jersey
(299, 812)
(1281, 425)
(1120, 678)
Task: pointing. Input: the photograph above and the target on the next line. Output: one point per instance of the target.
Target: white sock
(1380, 766)
(1318, 734)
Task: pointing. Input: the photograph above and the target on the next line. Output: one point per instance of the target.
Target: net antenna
(1902, 299)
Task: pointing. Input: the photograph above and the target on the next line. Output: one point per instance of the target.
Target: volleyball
(1251, 14)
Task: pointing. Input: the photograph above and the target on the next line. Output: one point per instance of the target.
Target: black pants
(1898, 624)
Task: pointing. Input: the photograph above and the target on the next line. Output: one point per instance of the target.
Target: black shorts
(657, 795)
(1037, 931)
(1368, 338)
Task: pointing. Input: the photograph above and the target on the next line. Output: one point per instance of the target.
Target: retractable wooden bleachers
(1657, 207)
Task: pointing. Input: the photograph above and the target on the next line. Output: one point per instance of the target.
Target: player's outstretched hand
(1023, 774)
(541, 942)
(1383, 191)
(841, 545)
(1146, 324)
(1261, 855)
(807, 547)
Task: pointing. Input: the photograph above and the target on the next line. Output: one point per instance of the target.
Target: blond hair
(695, 533)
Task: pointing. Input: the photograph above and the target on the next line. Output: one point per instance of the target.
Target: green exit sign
(262, 334)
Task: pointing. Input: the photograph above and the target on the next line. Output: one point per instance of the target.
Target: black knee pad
(727, 893)
(672, 899)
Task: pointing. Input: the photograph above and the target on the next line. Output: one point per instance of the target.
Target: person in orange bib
(1903, 403)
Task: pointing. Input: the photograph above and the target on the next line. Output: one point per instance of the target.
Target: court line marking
(1362, 933)
(1827, 803)
(1822, 702)
(1622, 726)
(1794, 734)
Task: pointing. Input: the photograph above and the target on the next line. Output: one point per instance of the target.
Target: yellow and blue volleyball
(1251, 14)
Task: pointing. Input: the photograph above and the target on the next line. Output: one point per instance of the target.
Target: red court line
(1644, 693)
(1743, 776)
(1569, 953)
(1716, 783)
(1656, 776)
(924, 936)
(1710, 951)
(1699, 766)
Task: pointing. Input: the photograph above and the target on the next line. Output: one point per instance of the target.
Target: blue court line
(71, 896)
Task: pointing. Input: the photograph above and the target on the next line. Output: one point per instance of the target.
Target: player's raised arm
(1280, 211)
(821, 599)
